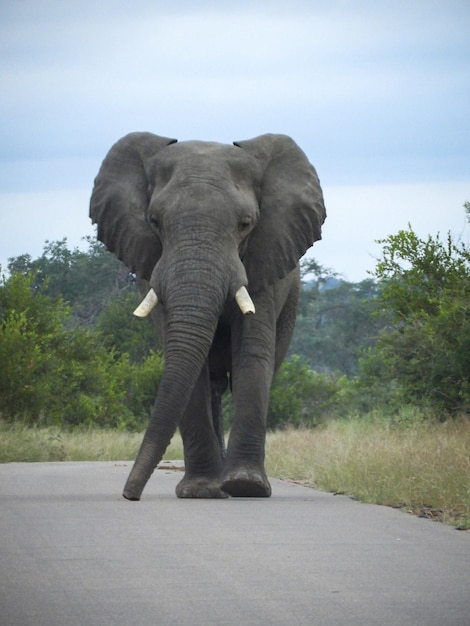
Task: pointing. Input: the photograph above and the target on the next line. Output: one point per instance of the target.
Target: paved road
(74, 553)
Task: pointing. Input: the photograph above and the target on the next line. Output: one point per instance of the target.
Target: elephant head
(204, 223)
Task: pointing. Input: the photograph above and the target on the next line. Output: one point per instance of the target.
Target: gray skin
(196, 221)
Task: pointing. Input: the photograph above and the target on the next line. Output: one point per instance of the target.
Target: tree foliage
(86, 280)
(335, 323)
(300, 396)
(55, 372)
(121, 331)
(71, 352)
(424, 354)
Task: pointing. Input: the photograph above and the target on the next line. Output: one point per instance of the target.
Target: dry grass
(21, 444)
(424, 468)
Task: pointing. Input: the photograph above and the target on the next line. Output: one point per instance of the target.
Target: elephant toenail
(257, 478)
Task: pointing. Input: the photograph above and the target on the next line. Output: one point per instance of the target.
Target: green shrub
(31, 334)
(299, 396)
(425, 354)
(54, 373)
(121, 331)
(140, 384)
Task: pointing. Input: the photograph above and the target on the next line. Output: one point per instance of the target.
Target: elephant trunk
(191, 319)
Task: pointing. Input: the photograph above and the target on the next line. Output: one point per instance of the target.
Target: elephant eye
(244, 223)
(154, 221)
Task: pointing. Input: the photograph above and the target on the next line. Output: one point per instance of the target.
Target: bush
(299, 396)
(31, 333)
(54, 374)
(425, 354)
(140, 383)
(121, 331)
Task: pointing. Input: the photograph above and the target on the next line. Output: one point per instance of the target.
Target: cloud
(359, 215)
(376, 93)
(27, 220)
(80, 72)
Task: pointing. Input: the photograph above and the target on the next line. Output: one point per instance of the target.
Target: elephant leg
(286, 319)
(203, 464)
(218, 387)
(244, 474)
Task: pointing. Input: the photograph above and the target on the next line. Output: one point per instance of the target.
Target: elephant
(215, 231)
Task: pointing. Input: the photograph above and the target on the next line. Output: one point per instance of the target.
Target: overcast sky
(376, 92)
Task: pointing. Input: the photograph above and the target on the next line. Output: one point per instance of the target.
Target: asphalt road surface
(73, 552)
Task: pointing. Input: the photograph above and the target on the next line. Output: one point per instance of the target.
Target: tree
(30, 328)
(424, 355)
(121, 331)
(84, 279)
(54, 372)
(299, 396)
(335, 321)
(99, 290)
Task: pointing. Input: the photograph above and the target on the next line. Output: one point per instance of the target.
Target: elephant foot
(134, 487)
(199, 487)
(129, 495)
(243, 483)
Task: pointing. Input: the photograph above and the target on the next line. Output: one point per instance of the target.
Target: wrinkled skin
(196, 221)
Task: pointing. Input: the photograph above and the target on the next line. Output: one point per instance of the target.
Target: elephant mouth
(150, 301)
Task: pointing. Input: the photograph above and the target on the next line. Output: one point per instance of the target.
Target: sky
(376, 93)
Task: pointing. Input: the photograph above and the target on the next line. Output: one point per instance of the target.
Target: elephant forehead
(207, 154)
(207, 160)
(199, 148)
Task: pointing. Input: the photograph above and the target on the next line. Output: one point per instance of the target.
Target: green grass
(419, 466)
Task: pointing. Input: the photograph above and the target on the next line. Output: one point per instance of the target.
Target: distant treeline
(72, 353)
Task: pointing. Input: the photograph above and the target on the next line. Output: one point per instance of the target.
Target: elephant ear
(291, 209)
(120, 198)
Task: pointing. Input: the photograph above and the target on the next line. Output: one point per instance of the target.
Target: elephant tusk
(147, 305)
(244, 301)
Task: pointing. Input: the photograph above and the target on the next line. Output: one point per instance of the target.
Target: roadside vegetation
(372, 400)
(420, 466)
